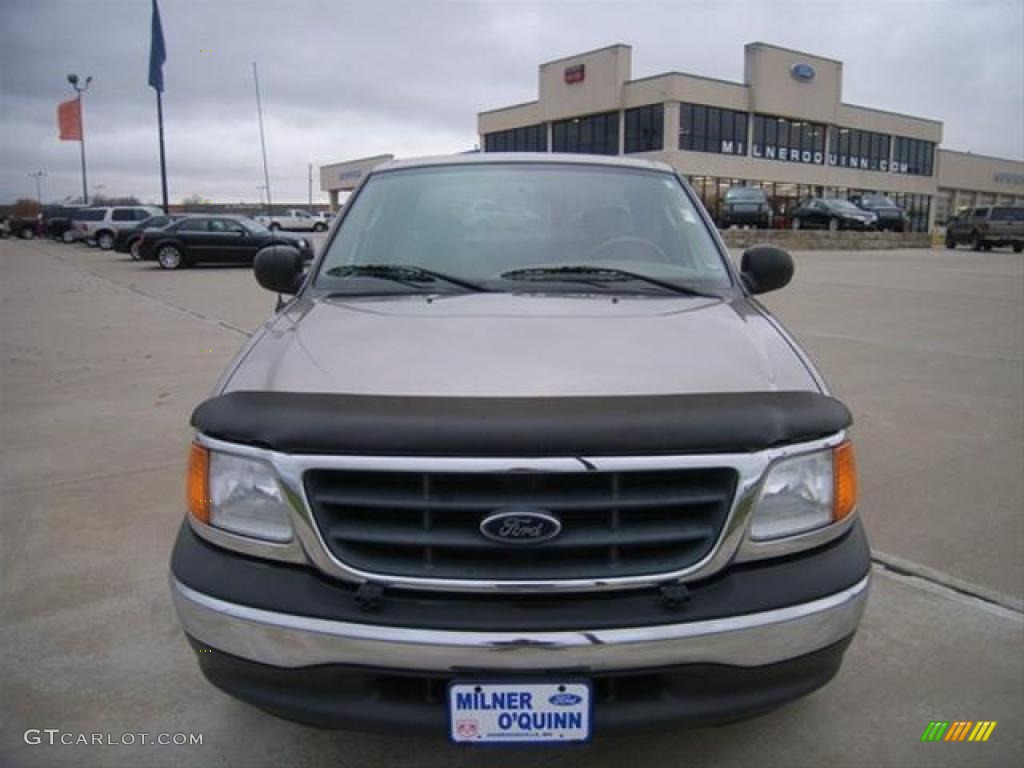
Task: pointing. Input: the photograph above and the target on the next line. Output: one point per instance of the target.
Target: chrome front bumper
(290, 641)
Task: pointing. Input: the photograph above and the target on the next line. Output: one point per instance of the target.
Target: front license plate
(521, 713)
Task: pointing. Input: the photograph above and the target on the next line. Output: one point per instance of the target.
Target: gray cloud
(349, 79)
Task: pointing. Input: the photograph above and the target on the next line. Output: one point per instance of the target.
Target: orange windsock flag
(69, 120)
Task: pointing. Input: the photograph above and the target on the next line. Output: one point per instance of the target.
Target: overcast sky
(344, 79)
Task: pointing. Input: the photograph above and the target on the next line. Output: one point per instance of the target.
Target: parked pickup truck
(528, 483)
(987, 227)
(296, 219)
(25, 227)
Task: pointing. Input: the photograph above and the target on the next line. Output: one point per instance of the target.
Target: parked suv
(102, 224)
(57, 220)
(745, 206)
(987, 226)
(25, 227)
(531, 483)
(888, 214)
(24, 220)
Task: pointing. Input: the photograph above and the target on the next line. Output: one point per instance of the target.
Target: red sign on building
(574, 74)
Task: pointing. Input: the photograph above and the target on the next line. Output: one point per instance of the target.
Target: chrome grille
(426, 524)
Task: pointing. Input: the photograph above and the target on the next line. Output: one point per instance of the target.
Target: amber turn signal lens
(198, 483)
(844, 463)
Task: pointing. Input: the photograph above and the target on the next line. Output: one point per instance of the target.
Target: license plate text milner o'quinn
(518, 710)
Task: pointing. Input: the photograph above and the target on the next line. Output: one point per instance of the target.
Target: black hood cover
(525, 427)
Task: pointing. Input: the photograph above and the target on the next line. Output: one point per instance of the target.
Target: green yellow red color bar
(958, 730)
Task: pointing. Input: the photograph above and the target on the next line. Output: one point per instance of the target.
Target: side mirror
(766, 268)
(278, 268)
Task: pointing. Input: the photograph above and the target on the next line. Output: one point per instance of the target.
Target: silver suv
(522, 460)
(101, 224)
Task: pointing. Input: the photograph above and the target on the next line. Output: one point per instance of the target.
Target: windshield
(744, 195)
(1008, 214)
(878, 201)
(843, 205)
(254, 226)
(482, 223)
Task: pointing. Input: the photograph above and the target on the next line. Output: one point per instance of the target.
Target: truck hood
(513, 345)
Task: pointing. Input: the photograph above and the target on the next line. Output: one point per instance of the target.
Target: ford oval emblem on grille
(520, 526)
(803, 72)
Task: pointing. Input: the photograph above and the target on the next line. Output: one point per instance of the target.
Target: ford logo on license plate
(520, 526)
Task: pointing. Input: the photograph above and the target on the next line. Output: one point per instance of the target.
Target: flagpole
(163, 159)
(157, 57)
(81, 145)
(263, 142)
(80, 88)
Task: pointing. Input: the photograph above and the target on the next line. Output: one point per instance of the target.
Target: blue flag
(157, 52)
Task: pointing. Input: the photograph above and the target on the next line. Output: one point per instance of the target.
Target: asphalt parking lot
(103, 359)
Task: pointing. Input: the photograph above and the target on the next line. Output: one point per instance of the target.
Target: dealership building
(785, 129)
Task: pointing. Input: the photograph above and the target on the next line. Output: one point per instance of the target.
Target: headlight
(237, 494)
(806, 492)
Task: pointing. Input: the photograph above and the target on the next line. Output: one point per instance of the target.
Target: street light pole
(38, 176)
(80, 89)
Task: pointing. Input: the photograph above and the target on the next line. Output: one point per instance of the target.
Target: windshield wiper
(407, 274)
(589, 273)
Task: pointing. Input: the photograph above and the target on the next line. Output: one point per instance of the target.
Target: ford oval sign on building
(802, 71)
(520, 526)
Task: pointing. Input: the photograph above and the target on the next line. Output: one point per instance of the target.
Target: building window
(644, 128)
(917, 208)
(529, 138)
(712, 129)
(593, 135)
(794, 141)
(913, 156)
(861, 150)
(943, 205)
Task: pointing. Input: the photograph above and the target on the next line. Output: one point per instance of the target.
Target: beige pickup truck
(523, 458)
(987, 227)
(294, 219)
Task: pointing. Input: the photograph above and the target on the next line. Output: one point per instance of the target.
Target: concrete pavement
(927, 349)
(102, 360)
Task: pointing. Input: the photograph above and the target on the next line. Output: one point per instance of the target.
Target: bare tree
(26, 208)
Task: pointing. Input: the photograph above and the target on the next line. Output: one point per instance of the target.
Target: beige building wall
(754, 169)
(963, 170)
(966, 180)
(605, 73)
(766, 70)
(344, 177)
(880, 121)
(505, 118)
